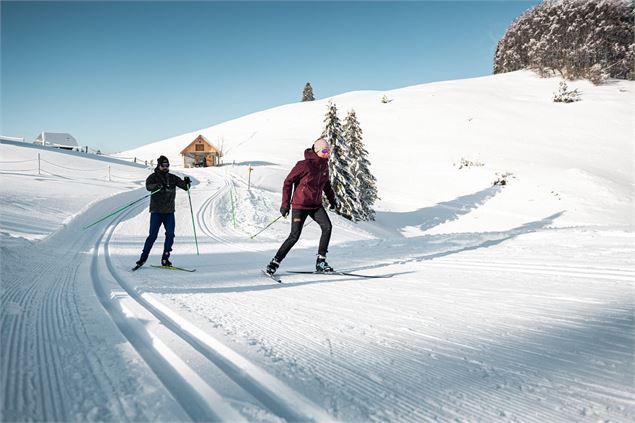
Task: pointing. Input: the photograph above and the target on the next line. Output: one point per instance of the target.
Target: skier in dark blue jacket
(162, 209)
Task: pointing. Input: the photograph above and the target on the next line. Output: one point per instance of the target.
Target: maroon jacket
(309, 177)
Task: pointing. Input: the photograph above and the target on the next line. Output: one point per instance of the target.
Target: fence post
(109, 180)
(38, 164)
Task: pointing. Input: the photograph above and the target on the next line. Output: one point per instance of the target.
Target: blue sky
(118, 75)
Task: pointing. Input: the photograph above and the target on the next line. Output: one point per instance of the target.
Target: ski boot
(165, 259)
(272, 266)
(321, 266)
(138, 264)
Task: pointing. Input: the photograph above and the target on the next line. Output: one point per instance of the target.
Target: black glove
(187, 181)
(284, 211)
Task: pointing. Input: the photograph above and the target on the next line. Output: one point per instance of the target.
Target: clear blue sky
(117, 75)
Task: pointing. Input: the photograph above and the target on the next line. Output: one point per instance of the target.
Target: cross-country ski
(174, 268)
(334, 273)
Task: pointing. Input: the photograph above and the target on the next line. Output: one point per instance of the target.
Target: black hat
(162, 159)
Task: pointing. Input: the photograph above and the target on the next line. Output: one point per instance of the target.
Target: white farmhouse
(57, 139)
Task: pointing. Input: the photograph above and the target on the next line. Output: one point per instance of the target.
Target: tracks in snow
(146, 322)
(582, 271)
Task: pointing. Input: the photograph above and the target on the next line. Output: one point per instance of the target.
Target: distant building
(5, 138)
(201, 153)
(57, 140)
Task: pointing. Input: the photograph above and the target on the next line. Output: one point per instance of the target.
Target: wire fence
(41, 166)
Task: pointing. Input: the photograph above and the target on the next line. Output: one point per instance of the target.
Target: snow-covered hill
(576, 158)
(509, 303)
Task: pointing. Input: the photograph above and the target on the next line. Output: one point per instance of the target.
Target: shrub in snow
(596, 74)
(468, 163)
(502, 179)
(385, 99)
(575, 38)
(307, 94)
(564, 95)
(363, 182)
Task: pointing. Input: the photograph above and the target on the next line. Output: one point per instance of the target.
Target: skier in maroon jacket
(309, 178)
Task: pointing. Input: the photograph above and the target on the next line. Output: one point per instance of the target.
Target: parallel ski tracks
(40, 319)
(363, 387)
(583, 271)
(272, 394)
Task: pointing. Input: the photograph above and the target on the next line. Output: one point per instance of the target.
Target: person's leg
(155, 224)
(297, 221)
(169, 223)
(298, 217)
(322, 219)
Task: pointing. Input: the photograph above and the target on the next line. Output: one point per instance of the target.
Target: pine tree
(339, 163)
(307, 94)
(363, 182)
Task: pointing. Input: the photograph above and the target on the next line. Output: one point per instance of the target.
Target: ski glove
(333, 205)
(284, 211)
(187, 181)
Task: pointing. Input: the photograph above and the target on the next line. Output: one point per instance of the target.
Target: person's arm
(292, 179)
(330, 194)
(182, 183)
(152, 184)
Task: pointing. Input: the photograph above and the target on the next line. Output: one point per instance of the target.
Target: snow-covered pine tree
(363, 182)
(592, 39)
(339, 163)
(307, 94)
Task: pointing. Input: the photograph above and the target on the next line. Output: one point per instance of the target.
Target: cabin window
(200, 147)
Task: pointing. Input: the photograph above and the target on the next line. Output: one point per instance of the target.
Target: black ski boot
(139, 263)
(272, 266)
(322, 266)
(165, 259)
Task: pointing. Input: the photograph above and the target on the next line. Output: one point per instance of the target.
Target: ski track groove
(360, 387)
(269, 399)
(18, 358)
(45, 342)
(555, 270)
(364, 387)
(93, 361)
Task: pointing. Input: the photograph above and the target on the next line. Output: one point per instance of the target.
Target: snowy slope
(506, 303)
(557, 152)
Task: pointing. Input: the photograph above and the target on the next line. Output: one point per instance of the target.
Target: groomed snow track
(143, 320)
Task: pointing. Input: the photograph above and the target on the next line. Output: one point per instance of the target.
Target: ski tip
(275, 278)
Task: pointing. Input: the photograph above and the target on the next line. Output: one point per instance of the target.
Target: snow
(507, 303)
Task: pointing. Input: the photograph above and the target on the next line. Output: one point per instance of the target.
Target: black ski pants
(298, 216)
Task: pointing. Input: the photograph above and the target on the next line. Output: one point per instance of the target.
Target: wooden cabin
(201, 153)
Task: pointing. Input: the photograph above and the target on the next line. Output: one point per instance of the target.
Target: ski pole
(119, 210)
(263, 229)
(192, 213)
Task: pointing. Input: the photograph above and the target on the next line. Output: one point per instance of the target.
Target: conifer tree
(339, 163)
(307, 94)
(363, 182)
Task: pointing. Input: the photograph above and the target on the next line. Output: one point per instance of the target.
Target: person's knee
(326, 227)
